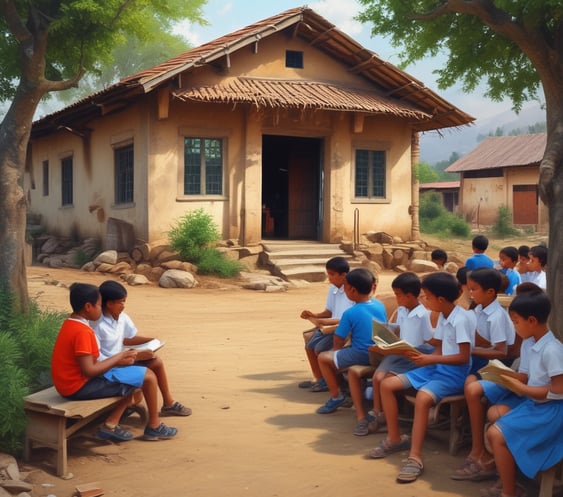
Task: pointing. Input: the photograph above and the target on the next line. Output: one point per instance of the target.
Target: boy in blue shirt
(355, 323)
(508, 257)
(479, 259)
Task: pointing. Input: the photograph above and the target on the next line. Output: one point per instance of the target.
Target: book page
(153, 345)
(495, 371)
(383, 333)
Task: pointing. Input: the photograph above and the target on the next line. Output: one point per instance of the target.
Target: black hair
(338, 264)
(439, 254)
(531, 301)
(443, 285)
(408, 283)
(461, 275)
(112, 290)
(480, 242)
(486, 278)
(540, 252)
(524, 250)
(510, 252)
(82, 294)
(362, 280)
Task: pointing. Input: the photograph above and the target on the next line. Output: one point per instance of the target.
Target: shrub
(503, 226)
(194, 237)
(26, 345)
(435, 218)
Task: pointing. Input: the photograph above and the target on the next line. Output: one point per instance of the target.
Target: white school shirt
(458, 327)
(537, 277)
(337, 301)
(414, 326)
(542, 359)
(494, 323)
(111, 333)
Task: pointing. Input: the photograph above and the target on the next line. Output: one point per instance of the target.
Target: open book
(386, 340)
(495, 371)
(146, 350)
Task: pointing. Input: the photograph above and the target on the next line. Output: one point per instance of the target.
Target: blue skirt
(129, 375)
(534, 435)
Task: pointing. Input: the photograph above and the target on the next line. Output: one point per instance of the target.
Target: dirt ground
(235, 357)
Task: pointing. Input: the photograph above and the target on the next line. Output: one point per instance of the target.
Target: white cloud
(340, 13)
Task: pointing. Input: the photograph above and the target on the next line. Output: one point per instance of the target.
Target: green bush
(436, 219)
(26, 345)
(194, 237)
(503, 226)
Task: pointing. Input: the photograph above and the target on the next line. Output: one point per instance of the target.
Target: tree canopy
(48, 46)
(516, 48)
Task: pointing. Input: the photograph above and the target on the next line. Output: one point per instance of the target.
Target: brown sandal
(473, 471)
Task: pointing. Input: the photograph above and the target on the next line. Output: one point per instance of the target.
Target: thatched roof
(394, 91)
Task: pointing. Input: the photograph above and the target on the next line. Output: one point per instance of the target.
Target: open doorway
(291, 187)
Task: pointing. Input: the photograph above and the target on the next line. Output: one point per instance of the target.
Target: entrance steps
(300, 260)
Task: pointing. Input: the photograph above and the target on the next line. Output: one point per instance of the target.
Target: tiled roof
(502, 151)
(300, 94)
(388, 80)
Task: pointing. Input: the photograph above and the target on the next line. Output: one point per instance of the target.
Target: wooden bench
(458, 418)
(52, 420)
(548, 480)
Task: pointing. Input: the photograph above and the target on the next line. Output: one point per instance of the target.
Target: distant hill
(434, 148)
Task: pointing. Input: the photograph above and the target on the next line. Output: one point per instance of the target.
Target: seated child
(356, 324)
(413, 321)
(523, 259)
(479, 259)
(115, 329)
(495, 334)
(336, 303)
(508, 257)
(536, 267)
(439, 257)
(78, 374)
(530, 434)
(439, 374)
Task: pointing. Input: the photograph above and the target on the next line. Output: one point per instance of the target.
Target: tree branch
(65, 84)
(14, 21)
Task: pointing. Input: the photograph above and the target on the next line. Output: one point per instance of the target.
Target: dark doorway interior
(290, 187)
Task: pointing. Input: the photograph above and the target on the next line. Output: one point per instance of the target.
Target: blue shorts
(346, 357)
(437, 380)
(101, 388)
(497, 394)
(400, 364)
(130, 375)
(319, 342)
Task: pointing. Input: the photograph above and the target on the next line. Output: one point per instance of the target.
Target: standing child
(356, 324)
(508, 258)
(336, 303)
(79, 375)
(479, 259)
(413, 321)
(115, 329)
(530, 435)
(495, 334)
(440, 374)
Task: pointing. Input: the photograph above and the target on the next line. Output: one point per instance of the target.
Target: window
(45, 178)
(294, 59)
(66, 181)
(124, 173)
(370, 174)
(203, 166)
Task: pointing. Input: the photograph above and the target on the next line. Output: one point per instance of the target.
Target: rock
(379, 237)
(120, 267)
(50, 246)
(451, 267)
(108, 257)
(89, 267)
(136, 279)
(104, 267)
(420, 266)
(174, 278)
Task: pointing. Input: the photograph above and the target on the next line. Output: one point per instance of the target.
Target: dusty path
(235, 356)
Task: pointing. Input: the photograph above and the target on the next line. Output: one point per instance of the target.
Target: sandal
(116, 434)
(385, 447)
(306, 384)
(319, 386)
(410, 471)
(473, 471)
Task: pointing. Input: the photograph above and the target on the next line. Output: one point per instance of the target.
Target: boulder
(107, 257)
(175, 278)
(136, 279)
(421, 266)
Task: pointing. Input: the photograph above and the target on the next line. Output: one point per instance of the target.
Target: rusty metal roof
(440, 185)
(502, 151)
(390, 82)
(302, 95)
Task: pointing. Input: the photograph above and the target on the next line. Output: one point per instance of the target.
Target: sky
(226, 16)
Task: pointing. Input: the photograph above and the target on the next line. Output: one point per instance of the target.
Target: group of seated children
(446, 361)
(91, 360)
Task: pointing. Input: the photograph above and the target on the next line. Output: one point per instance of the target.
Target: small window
(294, 59)
(370, 174)
(203, 166)
(66, 181)
(124, 174)
(45, 178)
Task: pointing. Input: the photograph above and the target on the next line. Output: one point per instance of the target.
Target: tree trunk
(551, 191)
